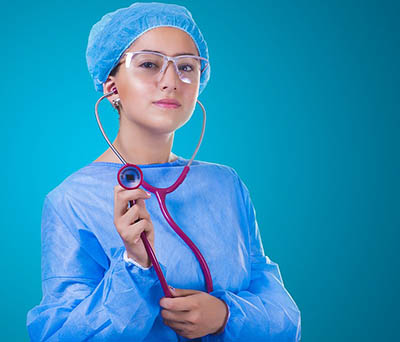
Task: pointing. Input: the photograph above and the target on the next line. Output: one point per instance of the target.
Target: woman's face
(138, 97)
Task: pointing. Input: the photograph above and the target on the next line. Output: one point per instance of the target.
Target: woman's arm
(265, 311)
(83, 300)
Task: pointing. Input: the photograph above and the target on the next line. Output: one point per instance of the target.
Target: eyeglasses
(150, 66)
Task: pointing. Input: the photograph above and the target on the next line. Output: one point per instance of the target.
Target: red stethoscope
(130, 177)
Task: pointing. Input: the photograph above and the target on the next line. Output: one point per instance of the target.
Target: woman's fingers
(133, 232)
(128, 220)
(123, 196)
(142, 226)
(136, 212)
(180, 327)
(176, 316)
(185, 303)
(131, 221)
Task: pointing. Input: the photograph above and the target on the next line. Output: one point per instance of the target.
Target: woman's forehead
(167, 40)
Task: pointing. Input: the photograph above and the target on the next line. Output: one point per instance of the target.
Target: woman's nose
(169, 77)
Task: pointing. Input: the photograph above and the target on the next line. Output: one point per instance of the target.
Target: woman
(98, 281)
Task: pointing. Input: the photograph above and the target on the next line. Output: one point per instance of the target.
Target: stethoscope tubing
(161, 194)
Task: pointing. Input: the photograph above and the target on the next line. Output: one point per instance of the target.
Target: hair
(114, 71)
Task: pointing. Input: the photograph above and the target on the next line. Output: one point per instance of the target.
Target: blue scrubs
(90, 293)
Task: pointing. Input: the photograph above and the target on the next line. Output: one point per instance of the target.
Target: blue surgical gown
(91, 293)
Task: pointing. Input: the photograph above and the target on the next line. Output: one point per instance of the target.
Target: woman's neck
(141, 149)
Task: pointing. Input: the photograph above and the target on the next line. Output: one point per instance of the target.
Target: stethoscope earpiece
(117, 102)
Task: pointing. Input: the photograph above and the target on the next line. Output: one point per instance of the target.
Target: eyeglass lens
(148, 66)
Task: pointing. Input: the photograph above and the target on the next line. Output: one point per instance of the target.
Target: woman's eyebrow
(177, 54)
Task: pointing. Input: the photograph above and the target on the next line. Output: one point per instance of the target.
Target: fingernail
(137, 240)
(148, 193)
(171, 288)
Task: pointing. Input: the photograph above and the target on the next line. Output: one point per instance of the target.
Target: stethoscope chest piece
(130, 176)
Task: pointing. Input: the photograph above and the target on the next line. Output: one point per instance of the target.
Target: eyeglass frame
(166, 58)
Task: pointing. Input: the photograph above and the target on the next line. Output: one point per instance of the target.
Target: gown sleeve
(84, 299)
(265, 311)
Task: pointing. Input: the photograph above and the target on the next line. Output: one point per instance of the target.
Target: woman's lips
(166, 105)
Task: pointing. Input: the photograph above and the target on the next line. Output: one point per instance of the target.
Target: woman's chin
(162, 126)
(165, 121)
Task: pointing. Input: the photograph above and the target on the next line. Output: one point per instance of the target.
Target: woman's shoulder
(216, 168)
(77, 184)
(225, 174)
(217, 175)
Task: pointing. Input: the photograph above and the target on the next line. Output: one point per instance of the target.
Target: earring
(116, 102)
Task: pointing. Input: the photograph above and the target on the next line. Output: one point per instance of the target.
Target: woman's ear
(108, 86)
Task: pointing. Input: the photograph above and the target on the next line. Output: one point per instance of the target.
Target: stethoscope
(130, 177)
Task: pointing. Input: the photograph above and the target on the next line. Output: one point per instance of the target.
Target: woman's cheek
(137, 95)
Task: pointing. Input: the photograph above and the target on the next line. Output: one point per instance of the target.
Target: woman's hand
(131, 222)
(193, 313)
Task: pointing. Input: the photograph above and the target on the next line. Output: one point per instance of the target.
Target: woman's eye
(186, 68)
(148, 65)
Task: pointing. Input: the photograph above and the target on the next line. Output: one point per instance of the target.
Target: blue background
(303, 102)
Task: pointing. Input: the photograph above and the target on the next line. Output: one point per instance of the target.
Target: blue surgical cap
(116, 31)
